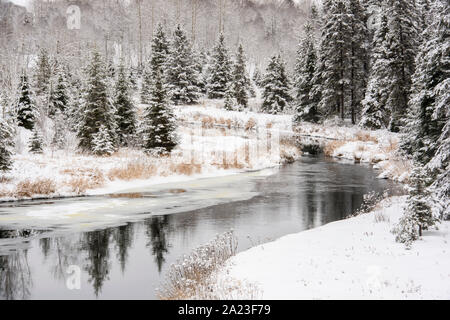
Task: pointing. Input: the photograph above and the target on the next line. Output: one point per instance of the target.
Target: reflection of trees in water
(157, 232)
(24, 233)
(98, 265)
(123, 237)
(15, 276)
(62, 252)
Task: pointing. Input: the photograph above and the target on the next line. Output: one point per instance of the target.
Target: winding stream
(123, 244)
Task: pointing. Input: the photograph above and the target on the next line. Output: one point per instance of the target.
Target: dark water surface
(129, 261)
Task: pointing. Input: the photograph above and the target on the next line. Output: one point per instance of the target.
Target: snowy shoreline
(355, 258)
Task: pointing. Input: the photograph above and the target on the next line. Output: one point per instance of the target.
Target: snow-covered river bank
(125, 250)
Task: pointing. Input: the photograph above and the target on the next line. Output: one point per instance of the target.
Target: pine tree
(97, 109)
(418, 215)
(59, 98)
(230, 101)
(36, 142)
(424, 123)
(402, 39)
(240, 80)
(257, 77)
(60, 128)
(334, 58)
(43, 74)
(123, 103)
(305, 68)
(160, 51)
(159, 124)
(220, 71)
(6, 145)
(182, 74)
(375, 114)
(26, 112)
(102, 143)
(276, 87)
(357, 22)
(147, 78)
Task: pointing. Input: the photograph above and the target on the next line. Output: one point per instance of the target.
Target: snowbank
(355, 258)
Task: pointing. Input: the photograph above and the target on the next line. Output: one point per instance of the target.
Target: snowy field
(213, 142)
(355, 258)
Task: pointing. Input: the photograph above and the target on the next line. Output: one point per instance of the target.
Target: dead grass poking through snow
(251, 124)
(133, 171)
(365, 137)
(331, 146)
(27, 188)
(190, 277)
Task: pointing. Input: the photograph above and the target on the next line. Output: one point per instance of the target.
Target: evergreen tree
(160, 51)
(60, 128)
(230, 101)
(102, 143)
(401, 50)
(375, 114)
(334, 58)
(43, 74)
(276, 87)
(36, 142)
(182, 73)
(305, 68)
(220, 71)
(123, 103)
(425, 122)
(241, 81)
(97, 109)
(257, 77)
(159, 124)
(6, 145)
(357, 22)
(26, 112)
(147, 77)
(418, 215)
(59, 98)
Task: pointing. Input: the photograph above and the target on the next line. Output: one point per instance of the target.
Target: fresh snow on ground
(356, 258)
(216, 141)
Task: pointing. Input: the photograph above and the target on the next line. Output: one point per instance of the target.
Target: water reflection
(130, 260)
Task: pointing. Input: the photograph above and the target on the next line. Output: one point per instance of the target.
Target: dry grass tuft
(190, 277)
(251, 124)
(133, 171)
(27, 188)
(331, 146)
(207, 122)
(186, 169)
(365, 137)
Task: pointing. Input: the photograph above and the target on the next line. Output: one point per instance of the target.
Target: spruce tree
(43, 73)
(219, 71)
(160, 51)
(37, 142)
(26, 111)
(375, 114)
(147, 78)
(418, 215)
(276, 87)
(357, 22)
(102, 143)
(240, 79)
(402, 39)
(6, 145)
(159, 124)
(334, 58)
(430, 82)
(182, 72)
(257, 77)
(59, 98)
(230, 101)
(305, 68)
(97, 109)
(60, 129)
(123, 103)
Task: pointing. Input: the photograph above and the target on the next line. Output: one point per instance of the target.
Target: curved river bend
(125, 252)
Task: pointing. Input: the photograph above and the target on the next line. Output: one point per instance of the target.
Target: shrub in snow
(36, 142)
(6, 145)
(103, 143)
(418, 214)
